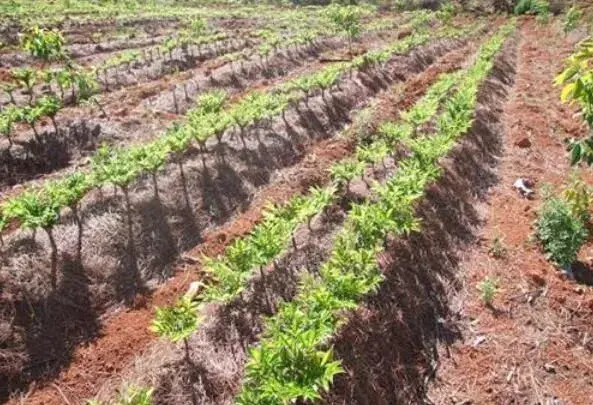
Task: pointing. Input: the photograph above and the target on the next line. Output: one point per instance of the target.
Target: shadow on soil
(583, 273)
(389, 348)
(53, 326)
(33, 158)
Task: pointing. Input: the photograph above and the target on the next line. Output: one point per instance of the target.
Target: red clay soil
(534, 344)
(126, 334)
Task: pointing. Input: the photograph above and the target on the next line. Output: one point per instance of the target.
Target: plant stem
(74, 208)
(53, 121)
(54, 256)
(155, 185)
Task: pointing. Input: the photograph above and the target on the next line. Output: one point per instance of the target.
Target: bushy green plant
(133, 395)
(571, 19)
(343, 172)
(498, 250)
(347, 20)
(115, 166)
(537, 7)
(35, 210)
(25, 77)
(295, 369)
(49, 106)
(6, 126)
(579, 197)
(44, 44)
(577, 79)
(177, 322)
(197, 26)
(447, 11)
(86, 82)
(68, 191)
(560, 232)
(488, 288)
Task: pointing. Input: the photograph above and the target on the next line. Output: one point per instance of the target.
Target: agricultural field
(225, 203)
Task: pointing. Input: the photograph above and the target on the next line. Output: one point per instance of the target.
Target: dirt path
(534, 344)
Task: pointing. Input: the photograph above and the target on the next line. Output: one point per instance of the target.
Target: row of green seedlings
(344, 20)
(272, 42)
(44, 13)
(294, 361)
(82, 84)
(48, 45)
(74, 12)
(327, 78)
(80, 81)
(337, 25)
(274, 235)
(84, 80)
(120, 14)
(255, 107)
(563, 220)
(194, 36)
(230, 272)
(128, 59)
(40, 208)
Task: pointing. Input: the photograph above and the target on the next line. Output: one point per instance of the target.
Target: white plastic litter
(522, 186)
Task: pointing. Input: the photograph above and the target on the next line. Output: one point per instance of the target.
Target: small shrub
(447, 11)
(536, 7)
(177, 322)
(44, 44)
(571, 19)
(560, 232)
(543, 18)
(498, 250)
(347, 20)
(133, 395)
(579, 197)
(488, 287)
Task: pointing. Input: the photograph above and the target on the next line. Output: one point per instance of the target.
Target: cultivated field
(258, 204)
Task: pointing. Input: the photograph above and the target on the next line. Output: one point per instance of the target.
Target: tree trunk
(131, 244)
(101, 108)
(54, 257)
(35, 133)
(129, 212)
(242, 135)
(155, 185)
(78, 220)
(53, 121)
(175, 101)
(184, 185)
(350, 45)
(187, 351)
